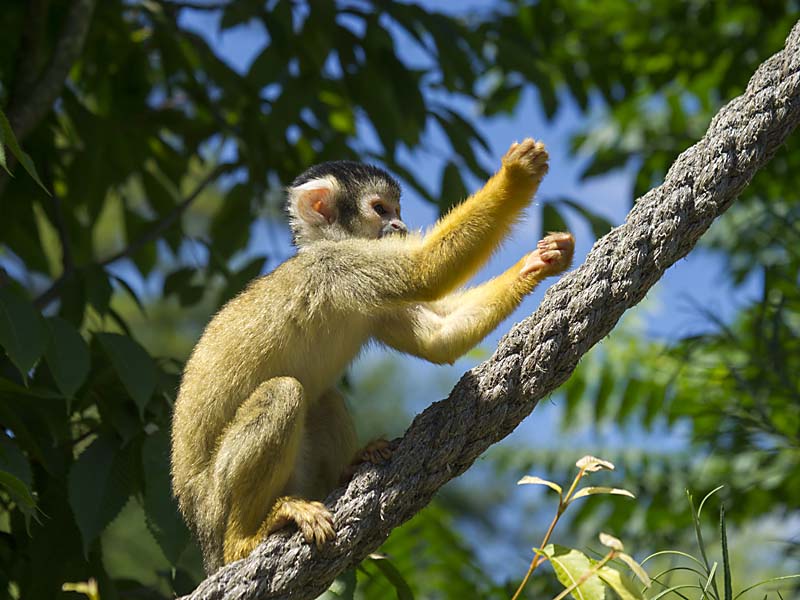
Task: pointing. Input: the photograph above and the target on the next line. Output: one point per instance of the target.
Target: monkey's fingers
(528, 155)
(553, 255)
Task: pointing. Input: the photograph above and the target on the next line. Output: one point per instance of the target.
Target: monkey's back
(280, 325)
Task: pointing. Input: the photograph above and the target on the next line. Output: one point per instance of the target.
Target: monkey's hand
(528, 158)
(313, 519)
(375, 452)
(553, 255)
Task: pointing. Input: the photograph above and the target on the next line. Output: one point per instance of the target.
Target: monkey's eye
(380, 209)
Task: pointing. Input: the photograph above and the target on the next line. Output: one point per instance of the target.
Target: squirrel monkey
(259, 433)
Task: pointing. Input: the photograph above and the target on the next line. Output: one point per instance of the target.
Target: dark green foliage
(160, 154)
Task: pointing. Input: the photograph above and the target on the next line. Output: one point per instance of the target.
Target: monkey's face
(379, 216)
(344, 199)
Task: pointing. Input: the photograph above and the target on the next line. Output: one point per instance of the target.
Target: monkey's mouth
(394, 229)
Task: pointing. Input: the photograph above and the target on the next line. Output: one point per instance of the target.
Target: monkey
(260, 434)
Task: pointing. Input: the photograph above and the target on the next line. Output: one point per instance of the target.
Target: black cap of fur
(353, 177)
(350, 174)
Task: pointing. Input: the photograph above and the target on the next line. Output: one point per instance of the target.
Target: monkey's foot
(529, 156)
(553, 255)
(313, 519)
(376, 452)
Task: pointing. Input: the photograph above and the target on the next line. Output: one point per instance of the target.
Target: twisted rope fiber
(539, 353)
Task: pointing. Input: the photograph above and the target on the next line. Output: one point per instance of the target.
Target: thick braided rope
(541, 352)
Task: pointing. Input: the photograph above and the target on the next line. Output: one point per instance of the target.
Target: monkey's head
(344, 199)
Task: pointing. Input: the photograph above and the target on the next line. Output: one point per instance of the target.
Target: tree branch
(26, 112)
(167, 221)
(542, 351)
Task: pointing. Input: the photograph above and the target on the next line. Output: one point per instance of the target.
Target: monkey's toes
(315, 523)
(530, 156)
(556, 240)
(376, 452)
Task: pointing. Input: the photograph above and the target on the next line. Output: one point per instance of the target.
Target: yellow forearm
(466, 237)
(471, 315)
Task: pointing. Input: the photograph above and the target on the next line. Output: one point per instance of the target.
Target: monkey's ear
(315, 201)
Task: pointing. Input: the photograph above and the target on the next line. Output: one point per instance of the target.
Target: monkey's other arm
(429, 268)
(446, 329)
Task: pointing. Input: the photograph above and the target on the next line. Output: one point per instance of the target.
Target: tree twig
(158, 230)
(33, 100)
(28, 111)
(540, 352)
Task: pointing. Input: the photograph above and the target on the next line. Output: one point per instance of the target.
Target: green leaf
(503, 99)
(631, 397)
(98, 288)
(17, 478)
(699, 536)
(180, 282)
(67, 355)
(163, 519)
(726, 562)
(570, 565)
(765, 582)
(13, 460)
(600, 225)
(452, 189)
(22, 334)
(17, 489)
(592, 464)
(533, 480)
(127, 287)
(637, 569)
(603, 394)
(587, 491)
(622, 585)
(573, 395)
(133, 365)
(8, 138)
(393, 576)
(552, 220)
(344, 586)
(98, 487)
(229, 229)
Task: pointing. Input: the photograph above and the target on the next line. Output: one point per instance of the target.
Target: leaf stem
(563, 501)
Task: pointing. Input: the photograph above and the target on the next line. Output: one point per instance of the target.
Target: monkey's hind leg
(254, 462)
(331, 428)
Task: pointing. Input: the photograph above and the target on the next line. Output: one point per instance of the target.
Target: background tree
(159, 155)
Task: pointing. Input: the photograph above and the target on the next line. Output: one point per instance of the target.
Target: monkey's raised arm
(465, 238)
(446, 329)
